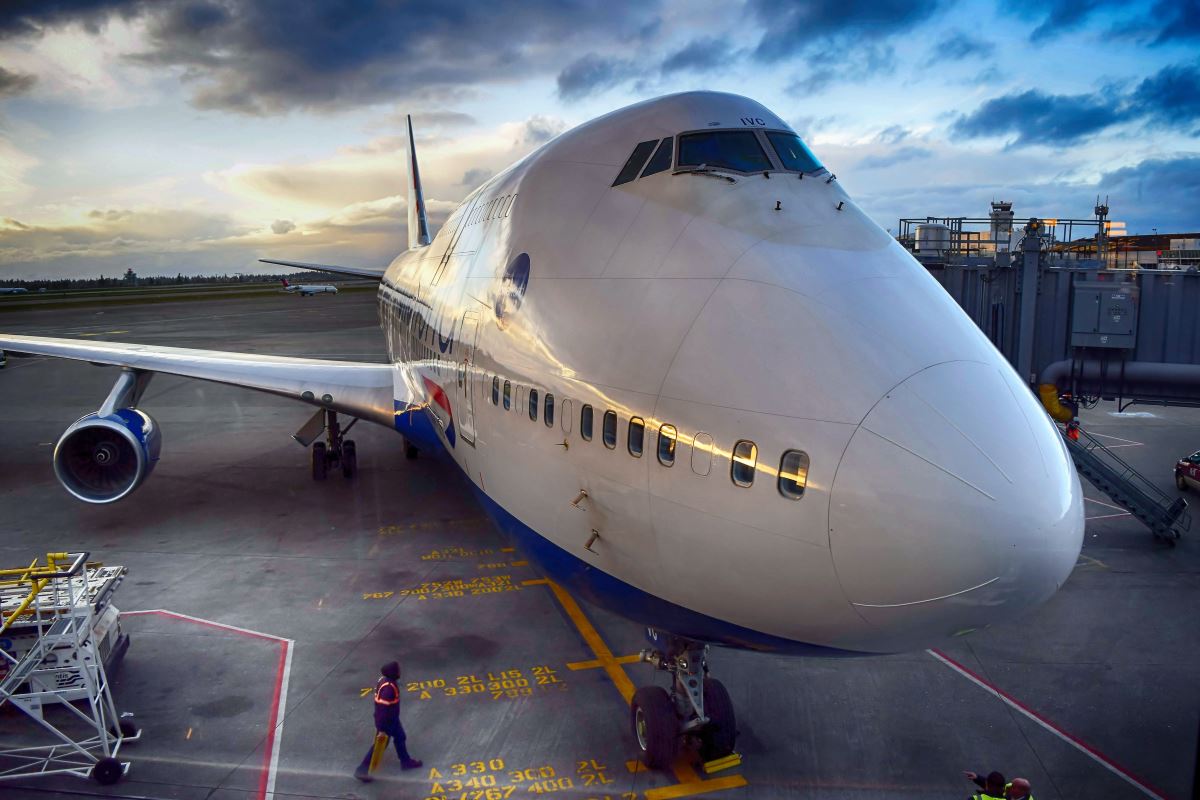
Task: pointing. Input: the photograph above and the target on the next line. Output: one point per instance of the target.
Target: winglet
(418, 225)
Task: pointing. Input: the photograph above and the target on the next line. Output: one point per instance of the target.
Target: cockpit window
(662, 158)
(793, 153)
(635, 163)
(736, 150)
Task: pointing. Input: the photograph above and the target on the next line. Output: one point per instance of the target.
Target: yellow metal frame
(37, 578)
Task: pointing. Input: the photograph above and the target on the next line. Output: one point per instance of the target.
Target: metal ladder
(62, 667)
(1166, 518)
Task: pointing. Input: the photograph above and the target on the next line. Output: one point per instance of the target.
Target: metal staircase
(1166, 518)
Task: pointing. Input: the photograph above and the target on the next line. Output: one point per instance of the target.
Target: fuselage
(814, 450)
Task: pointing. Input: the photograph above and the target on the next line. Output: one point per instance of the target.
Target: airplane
(699, 386)
(13, 290)
(309, 289)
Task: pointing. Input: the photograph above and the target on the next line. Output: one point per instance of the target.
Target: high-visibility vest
(380, 700)
(986, 796)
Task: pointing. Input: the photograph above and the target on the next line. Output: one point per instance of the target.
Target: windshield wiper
(703, 169)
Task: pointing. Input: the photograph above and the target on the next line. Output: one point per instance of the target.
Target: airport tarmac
(261, 605)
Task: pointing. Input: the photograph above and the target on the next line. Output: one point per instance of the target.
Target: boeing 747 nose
(954, 507)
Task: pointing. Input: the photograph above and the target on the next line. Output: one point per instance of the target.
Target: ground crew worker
(387, 721)
(991, 788)
(1019, 790)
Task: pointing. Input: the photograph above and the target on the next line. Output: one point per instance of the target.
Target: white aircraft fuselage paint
(770, 309)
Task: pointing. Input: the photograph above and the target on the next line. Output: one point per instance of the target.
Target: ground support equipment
(57, 626)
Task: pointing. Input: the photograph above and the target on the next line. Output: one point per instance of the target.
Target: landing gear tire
(320, 463)
(655, 726)
(1180, 483)
(349, 459)
(719, 740)
(107, 771)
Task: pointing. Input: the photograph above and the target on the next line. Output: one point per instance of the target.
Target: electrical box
(1104, 315)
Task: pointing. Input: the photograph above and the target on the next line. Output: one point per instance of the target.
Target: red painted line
(267, 773)
(1112, 766)
(266, 778)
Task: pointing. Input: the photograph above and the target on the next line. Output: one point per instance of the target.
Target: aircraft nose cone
(955, 506)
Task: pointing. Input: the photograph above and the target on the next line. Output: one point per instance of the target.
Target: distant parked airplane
(308, 289)
(699, 385)
(13, 290)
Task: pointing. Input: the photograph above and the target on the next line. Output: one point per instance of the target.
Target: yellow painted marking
(577, 665)
(519, 564)
(636, 766)
(1088, 561)
(508, 549)
(535, 582)
(589, 634)
(719, 764)
(697, 787)
(189, 734)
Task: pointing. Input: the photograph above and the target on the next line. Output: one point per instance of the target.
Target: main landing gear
(335, 450)
(697, 709)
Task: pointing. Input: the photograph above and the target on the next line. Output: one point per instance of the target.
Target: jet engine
(100, 459)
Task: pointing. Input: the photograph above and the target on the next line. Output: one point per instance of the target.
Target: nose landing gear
(335, 450)
(697, 709)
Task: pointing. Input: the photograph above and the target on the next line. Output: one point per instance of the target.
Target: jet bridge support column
(1031, 257)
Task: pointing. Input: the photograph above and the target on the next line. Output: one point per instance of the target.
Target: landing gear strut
(697, 707)
(335, 450)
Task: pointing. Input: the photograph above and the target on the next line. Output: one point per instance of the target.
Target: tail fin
(285, 283)
(418, 225)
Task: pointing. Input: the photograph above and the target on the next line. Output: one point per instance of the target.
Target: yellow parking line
(690, 783)
(577, 665)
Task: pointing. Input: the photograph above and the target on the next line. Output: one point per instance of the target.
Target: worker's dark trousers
(396, 731)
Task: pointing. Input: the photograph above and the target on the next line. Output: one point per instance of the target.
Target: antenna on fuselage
(418, 224)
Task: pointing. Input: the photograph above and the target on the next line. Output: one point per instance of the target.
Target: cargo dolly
(57, 629)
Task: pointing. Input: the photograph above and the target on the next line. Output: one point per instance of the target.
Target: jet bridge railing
(1167, 518)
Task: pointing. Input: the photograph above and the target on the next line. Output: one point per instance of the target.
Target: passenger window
(548, 413)
(793, 474)
(585, 422)
(495, 390)
(566, 416)
(610, 429)
(637, 436)
(533, 398)
(793, 153)
(666, 445)
(662, 158)
(745, 458)
(507, 395)
(702, 447)
(736, 150)
(635, 163)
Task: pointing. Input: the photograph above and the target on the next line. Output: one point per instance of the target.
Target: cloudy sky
(197, 135)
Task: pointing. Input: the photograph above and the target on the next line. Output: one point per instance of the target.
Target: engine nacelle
(102, 459)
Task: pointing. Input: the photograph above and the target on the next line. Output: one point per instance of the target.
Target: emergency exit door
(467, 379)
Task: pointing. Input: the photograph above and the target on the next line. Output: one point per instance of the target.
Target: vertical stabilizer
(418, 225)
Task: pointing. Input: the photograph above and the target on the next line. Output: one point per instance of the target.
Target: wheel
(107, 771)
(719, 739)
(1180, 483)
(349, 459)
(320, 464)
(128, 729)
(410, 451)
(655, 726)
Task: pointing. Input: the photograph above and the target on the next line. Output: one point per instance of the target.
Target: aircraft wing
(357, 272)
(355, 388)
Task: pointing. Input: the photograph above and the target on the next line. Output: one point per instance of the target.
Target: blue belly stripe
(598, 587)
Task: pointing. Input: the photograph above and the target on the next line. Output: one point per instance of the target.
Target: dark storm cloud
(794, 27)
(699, 55)
(1157, 23)
(15, 83)
(1163, 190)
(841, 65)
(960, 46)
(593, 73)
(1168, 99)
(31, 17)
(272, 56)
